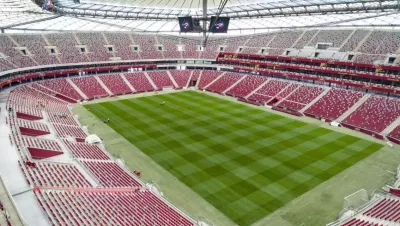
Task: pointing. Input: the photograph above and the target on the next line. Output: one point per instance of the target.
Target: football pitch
(244, 161)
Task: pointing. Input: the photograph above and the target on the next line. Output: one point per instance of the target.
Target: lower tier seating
(224, 82)
(97, 207)
(139, 81)
(110, 174)
(69, 131)
(86, 151)
(53, 174)
(115, 84)
(207, 77)
(181, 77)
(246, 86)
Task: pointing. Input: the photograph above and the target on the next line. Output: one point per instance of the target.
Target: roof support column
(204, 22)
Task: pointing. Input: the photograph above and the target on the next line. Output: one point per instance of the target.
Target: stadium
(181, 113)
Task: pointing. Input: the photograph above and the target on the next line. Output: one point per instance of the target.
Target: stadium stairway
(315, 100)
(198, 80)
(128, 83)
(258, 88)
(150, 80)
(209, 84)
(362, 41)
(234, 84)
(172, 79)
(190, 78)
(288, 95)
(353, 108)
(103, 85)
(77, 88)
(391, 127)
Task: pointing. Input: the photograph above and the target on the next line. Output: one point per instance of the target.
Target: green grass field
(244, 161)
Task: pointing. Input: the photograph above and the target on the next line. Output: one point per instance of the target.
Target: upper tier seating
(247, 85)
(115, 84)
(225, 82)
(97, 207)
(31, 125)
(139, 81)
(354, 41)
(90, 86)
(110, 174)
(207, 77)
(284, 40)
(96, 46)
(190, 50)
(39, 143)
(305, 38)
(62, 86)
(122, 46)
(369, 59)
(15, 56)
(181, 77)
(381, 42)
(160, 79)
(375, 114)
(86, 151)
(335, 103)
(69, 131)
(235, 43)
(336, 37)
(5, 64)
(53, 174)
(148, 49)
(66, 45)
(260, 40)
(35, 45)
(170, 47)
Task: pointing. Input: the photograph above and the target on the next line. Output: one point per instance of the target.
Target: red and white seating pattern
(368, 58)
(269, 90)
(207, 77)
(115, 84)
(53, 174)
(39, 143)
(86, 151)
(66, 119)
(224, 82)
(284, 40)
(30, 124)
(305, 39)
(61, 85)
(69, 131)
(110, 174)
(181, 77)
(288, 90)
(304, 95)
(5, 64)
(15, 56)
(160, 79)
(96, 46)
(122, 46)
(190, 51)
(336, 37)
(354, 41)
(359, 222)
(66, 45)
(119, 208)
(148, 49)
(139, 81)
(247, 85)
(90, 87)
(35, 45)
(335, 103)
(395, 133)
(195, 75)
(381, 42)
(260, 40)
(375, 114)
(292, 105)
(170, 48)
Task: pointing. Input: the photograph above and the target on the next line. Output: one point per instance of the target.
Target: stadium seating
(65, 119)
(284, 40)
(301, 97)
(190, 51)
(148, 49)
(246, 86)
(170, 49)
(66, 45)
(368, 58)
(375, 114)
(115, 84)
(224, 82)
(110, 174)
(305, 38)
(207, 77)
(86, 151)
(62, 86)
(122, 46)
(15, 56)
(96, 46)
(181, 77)
(139, 81)
(260, 40)
(269, 90)
(30, 128)
(108, 207)
(395, 133)
(35, 45)
(160, 79)
(336, 37)
(334, 103)
(53, 174)
(69, 131)
(354, 41)
(5, 64)
(90, 87)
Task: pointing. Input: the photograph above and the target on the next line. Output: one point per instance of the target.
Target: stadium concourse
(54, 175)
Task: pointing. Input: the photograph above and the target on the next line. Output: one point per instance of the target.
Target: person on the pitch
(163, 103)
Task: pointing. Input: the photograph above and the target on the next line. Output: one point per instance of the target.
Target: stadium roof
(247, 16)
